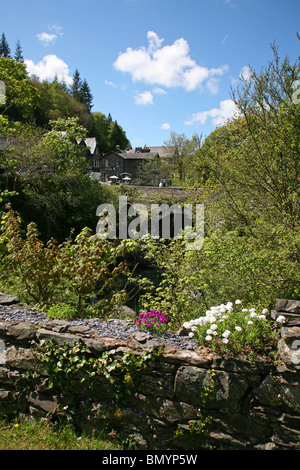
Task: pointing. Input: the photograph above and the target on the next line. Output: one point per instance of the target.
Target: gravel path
(119, 329)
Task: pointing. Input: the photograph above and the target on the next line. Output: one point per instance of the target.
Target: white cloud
(57, 29)
(168, 66)
(144, 98)
(218, 116)
(246, 73)
(46, 38)
(166, 126)
(154, 41)
(159, 91)
(108, 82)
(49, 38)
(213, 85)
(230, 3)
(49, 67)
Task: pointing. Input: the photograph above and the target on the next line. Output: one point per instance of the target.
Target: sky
(157, 66)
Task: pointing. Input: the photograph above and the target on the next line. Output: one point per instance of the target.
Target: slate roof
(139, 153)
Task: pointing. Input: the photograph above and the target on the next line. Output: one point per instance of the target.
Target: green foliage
(35, 263)
(153, 171)
(62, 311)
(79, 268)
(54, 102)
(258, 265)
(60, 144)
(250, 188)
(180, 291)
(4, 47)
(92, 265)
(57, 201)
(62, 203)
(108, 133)
(27, 435)
(18, 52)
(21, 96)
(29, 152)
(66, 367)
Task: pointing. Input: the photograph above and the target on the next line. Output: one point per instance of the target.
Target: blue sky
(158, 66)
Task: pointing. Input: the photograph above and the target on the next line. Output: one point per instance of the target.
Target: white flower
(250, 322)
(208, 338)
(238, 328)
(261, 317)
(244, 310)
(228, 306)
(238, 302)
(225, 340)
(215, 310)
(253, 314)
(265, 311)
(214, 326)
(209, 332)
(226, 334)
(280, 319)
(212, 319)
(191, 335)
(186, 325)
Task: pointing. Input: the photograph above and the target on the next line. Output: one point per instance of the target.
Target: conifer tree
(4, 47)
(86, 96)
(19, 53)
(76, 85)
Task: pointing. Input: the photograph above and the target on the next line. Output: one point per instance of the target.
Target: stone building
(119, 164)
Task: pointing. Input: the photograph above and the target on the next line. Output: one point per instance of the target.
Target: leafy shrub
(230, 328)
(62, 311)
(75, 269)
(180, 291)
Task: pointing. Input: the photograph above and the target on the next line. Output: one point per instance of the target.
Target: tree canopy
(21, 95)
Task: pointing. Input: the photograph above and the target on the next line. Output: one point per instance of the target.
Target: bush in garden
(33, 261)
(230, 328)
(52, 273)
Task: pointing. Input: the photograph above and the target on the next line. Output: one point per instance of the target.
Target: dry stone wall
(255, 405)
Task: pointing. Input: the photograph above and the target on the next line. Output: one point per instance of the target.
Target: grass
(42, 435)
